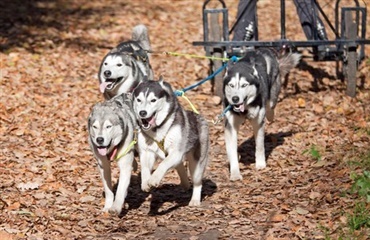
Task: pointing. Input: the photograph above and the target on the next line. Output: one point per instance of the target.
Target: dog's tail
(288, 62)
(140, 34)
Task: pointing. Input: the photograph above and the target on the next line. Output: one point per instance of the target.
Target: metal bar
(308, 43)
(205, 30)
(363, 35)
(282, 19)
(314, 19)
(215, 10)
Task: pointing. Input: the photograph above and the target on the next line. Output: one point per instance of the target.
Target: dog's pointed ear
(161, 80)
(165, 85)
(253, 63)
(119, 100)
(255, 72)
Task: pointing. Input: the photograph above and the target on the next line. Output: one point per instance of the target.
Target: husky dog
(125, 66)
(170, 133)
(251, 87)
(112, 127)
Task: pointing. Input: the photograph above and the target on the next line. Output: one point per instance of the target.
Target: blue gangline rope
(181, 92)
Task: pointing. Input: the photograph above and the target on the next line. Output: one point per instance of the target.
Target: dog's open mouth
(147, 123)
(239, 107)
(109, 84)
(103, 150)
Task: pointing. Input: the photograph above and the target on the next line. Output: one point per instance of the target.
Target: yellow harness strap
(132, 143)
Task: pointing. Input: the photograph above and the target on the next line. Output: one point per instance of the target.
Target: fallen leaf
(28, 186)
(314, 195)
(87, 199)
(301, 211)
(277, 218)
(301, 103)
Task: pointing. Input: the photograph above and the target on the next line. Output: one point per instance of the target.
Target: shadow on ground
(176, 194)
(166, 193)
(247, 149)
(32, 24)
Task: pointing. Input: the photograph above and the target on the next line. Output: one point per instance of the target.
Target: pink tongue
(102, 86)
(152, 121)
(102, 151)
(242, 108)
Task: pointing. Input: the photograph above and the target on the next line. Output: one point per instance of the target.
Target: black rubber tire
(350, 64)
(216, 35)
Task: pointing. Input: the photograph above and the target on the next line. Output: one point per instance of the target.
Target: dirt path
(49, 184)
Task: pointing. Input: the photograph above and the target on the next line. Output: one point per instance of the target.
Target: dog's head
(152, 102)
(114, 69)
(241, 86)
(106, 129)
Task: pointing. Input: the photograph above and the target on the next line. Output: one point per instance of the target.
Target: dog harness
(129, 147)
(160, 145)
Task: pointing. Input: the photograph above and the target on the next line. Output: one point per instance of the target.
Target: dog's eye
(105, 64)
(244, 85)
(153, 100)
(119, 64)
(138, 100)
(95, 127)
(109, 126)
(231, 85)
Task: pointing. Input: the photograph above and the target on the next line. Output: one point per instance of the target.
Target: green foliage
(361, 185)
(326, 232)
(313, 152)
(368, 61)
(360, 217)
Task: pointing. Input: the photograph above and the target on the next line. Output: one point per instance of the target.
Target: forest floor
(50, 52)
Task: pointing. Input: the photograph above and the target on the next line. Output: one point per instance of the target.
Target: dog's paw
(260, 165)
(108, 204)
(145, 187)
(115, 209)
(194, 203)
(154, 181)
(236, 177)
(105, 210)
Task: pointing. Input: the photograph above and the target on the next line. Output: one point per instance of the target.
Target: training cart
(347, 49)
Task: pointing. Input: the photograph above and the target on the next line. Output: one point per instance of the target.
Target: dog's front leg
(105, 174)
(258, 125)
(232, 126)
(147, 160)
(125, 165)
(173, 159)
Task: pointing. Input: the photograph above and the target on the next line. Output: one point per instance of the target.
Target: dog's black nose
(107, 73)
(142, 113)
(235, 99)
(100, 140)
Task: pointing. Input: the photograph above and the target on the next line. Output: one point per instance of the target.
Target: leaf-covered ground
(50, 52)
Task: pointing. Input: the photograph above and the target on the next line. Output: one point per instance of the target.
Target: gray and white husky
(112, 127)
(251, 87)
(172, 134)
(125, 66)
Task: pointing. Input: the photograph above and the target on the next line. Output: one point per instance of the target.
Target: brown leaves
(50, 187)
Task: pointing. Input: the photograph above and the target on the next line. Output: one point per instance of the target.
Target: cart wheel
(350, 63)
(217, 52)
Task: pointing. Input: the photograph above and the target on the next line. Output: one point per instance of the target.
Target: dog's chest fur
(171, 133)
